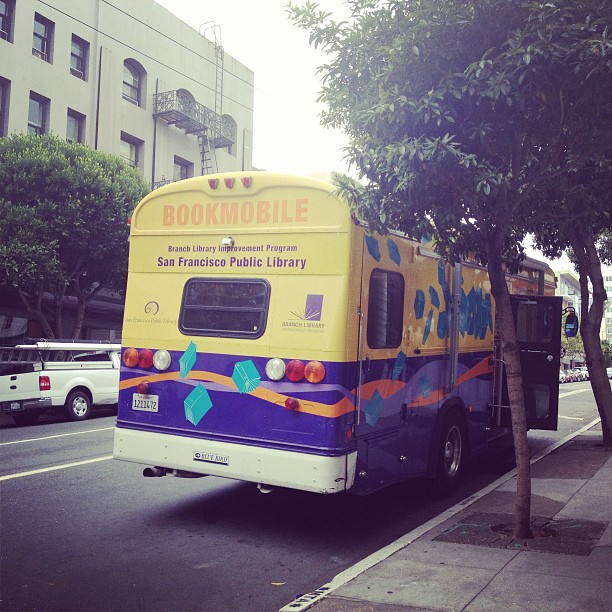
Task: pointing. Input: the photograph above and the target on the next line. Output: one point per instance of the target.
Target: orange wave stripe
(386, 388)
(482, 367)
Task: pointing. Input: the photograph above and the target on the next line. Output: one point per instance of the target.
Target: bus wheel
(78, 406)
(452, 454)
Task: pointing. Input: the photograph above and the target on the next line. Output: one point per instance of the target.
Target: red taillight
(145, 358)
(295, 370)
(291, 403)
(144, 388)
(44, 383)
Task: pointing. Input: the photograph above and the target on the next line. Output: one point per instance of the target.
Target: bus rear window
(225, 308)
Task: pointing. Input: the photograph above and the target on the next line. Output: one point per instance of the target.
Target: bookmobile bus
(269, 337)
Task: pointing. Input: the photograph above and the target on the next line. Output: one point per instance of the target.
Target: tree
(572, 347)
(578, 218)
(64, 212)
(453, 120)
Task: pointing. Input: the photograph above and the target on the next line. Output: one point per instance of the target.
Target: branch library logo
(312, 309)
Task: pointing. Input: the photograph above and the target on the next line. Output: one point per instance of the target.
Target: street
(81, 531)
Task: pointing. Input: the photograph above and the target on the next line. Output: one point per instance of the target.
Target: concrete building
(126, 77)
(568, 287)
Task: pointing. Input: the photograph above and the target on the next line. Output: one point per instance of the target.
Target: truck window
(225, 307)
(385, 309)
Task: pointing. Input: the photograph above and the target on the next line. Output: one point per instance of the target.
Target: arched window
(133, 82)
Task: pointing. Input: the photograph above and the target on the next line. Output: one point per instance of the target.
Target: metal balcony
(179, 108)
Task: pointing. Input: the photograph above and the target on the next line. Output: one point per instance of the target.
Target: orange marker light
(130, 357)
(314, 372)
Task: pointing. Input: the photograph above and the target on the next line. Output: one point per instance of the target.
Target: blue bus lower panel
(229, 399)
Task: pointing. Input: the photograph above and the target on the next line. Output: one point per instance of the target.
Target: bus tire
(78, 406)
(452, 453)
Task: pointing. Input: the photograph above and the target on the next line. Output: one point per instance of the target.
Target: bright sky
(287, 136)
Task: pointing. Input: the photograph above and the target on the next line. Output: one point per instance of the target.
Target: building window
(42, 42)
(75, 128)
(79, 54)
(182, 169)
(4, 105)
(7, 10)
(385, 309)
(38, 114)
(131, 150)
(133, 80)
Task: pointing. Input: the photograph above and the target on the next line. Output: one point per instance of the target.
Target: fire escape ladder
(208, 154)
(181, 109)
(219, 57)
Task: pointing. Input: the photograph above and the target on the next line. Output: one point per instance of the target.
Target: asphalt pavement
(467, 559)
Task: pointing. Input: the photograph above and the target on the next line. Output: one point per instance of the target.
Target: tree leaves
(64, 210)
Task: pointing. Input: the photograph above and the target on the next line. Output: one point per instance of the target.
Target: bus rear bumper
(267, 466)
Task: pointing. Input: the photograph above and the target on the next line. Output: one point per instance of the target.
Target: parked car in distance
(561, 376)
(584, 372)
(609, 372)
(571, 376)
(578, 375)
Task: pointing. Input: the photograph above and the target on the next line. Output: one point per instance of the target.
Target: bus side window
(385, 309)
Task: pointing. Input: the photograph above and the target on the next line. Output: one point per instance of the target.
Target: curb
(303, 602)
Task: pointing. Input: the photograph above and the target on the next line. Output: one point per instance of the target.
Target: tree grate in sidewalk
(563, 536)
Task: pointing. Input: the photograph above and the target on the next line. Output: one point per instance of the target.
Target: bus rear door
(538, 329)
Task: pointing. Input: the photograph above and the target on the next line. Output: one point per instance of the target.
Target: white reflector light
(275, 369)
(162, 359)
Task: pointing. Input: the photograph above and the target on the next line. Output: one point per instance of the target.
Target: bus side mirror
(571, 325)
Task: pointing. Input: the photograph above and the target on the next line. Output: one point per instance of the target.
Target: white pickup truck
(58, 376)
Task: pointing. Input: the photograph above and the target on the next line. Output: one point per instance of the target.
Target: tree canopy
(497, 96)
(63, 223)
(457, 112)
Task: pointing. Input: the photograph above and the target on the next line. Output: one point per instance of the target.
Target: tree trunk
(37, 311)
(79, 317)
(511, 356)
(58, 308)
(589, 266)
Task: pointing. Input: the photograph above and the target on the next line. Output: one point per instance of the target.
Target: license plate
(15, 405)
(211, 458)
(145, 403)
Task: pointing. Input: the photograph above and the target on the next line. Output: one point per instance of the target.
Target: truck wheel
(78, 406)
(29, 418)
(452, 454)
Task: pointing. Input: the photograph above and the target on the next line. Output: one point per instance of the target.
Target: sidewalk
(465, 560)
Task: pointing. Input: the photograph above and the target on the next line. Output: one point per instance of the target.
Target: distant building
(568, 287)
(125, 77)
